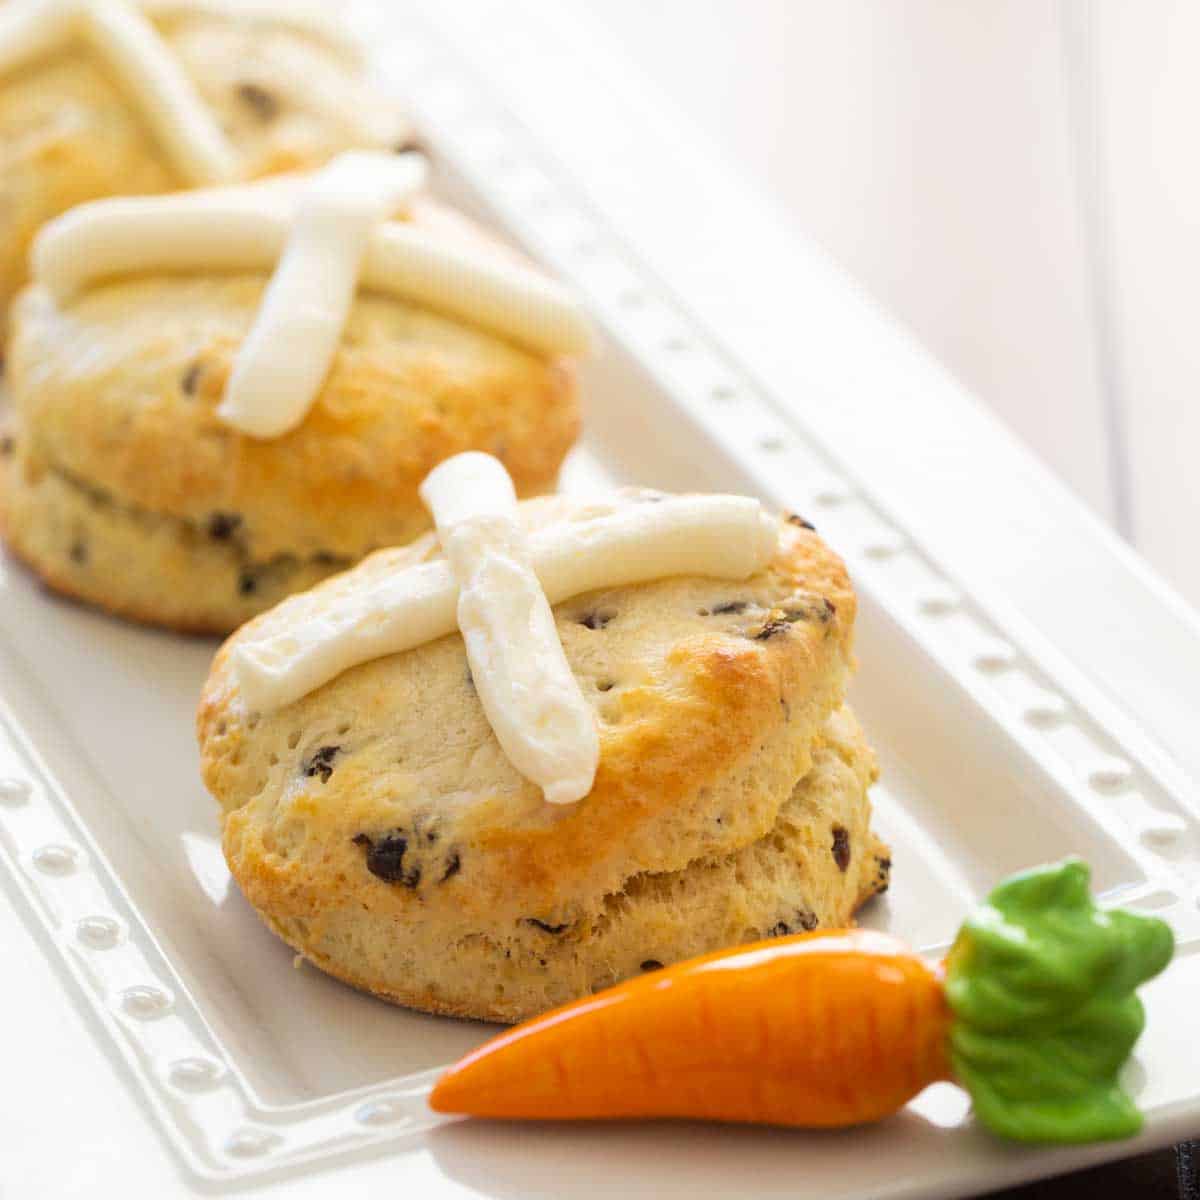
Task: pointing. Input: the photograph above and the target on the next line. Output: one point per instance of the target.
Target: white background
(1016, 181)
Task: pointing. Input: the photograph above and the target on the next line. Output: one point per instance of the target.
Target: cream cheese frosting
(324, 234)
(345, 623)
(530, 697)
(311, 18)
(283, 362)
(613, 544)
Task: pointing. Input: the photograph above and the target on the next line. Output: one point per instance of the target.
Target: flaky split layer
(137, 564)
(376, 825)
(816, 866)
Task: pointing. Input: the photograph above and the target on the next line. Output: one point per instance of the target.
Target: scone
(124, 486)
(378, 827)
(283, 91)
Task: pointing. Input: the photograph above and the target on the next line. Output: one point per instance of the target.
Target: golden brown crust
(68, 132)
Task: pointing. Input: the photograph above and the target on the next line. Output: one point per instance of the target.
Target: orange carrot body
(823, 1029)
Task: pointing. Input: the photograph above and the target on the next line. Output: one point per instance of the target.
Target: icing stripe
(525, 684)
(30, 30)
(166, 96)
(309, 19)
(287, 354)
(344, 624)
(246, 228)
(405, 260)
(137, 234)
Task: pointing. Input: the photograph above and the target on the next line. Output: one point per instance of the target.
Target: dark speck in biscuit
(883, 874)
(841, 847)
(546, 928)
(78, 552)
(731, 606)
(385, 859)
(804, 921)
(247, 583)
(191, 379)
(8, 444)
(773, 628)
(321, 763)
(797, 519)
(605, 685)
(652, 964)
(597, 618)
(822, 611)
(222, 525)
(264, 104)
(410, 145)
(405, 856)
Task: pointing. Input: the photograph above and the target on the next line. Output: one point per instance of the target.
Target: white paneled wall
(1015, 179)
(1147, 60)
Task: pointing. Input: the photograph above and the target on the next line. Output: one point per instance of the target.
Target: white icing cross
(132, 48)
(288, 352)
(311, 18)
(324, 234)
(522, 678)
(496, 584)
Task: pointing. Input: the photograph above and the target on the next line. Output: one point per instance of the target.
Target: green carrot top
(1041, 984)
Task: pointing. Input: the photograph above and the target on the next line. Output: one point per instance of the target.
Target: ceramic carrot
(1033, 1012)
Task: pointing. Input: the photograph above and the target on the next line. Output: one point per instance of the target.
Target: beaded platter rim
(221, 1130)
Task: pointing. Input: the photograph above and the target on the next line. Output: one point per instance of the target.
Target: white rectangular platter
(995, 756)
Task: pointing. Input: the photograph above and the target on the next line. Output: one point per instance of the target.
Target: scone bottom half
(121, 488)
(377, 827)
